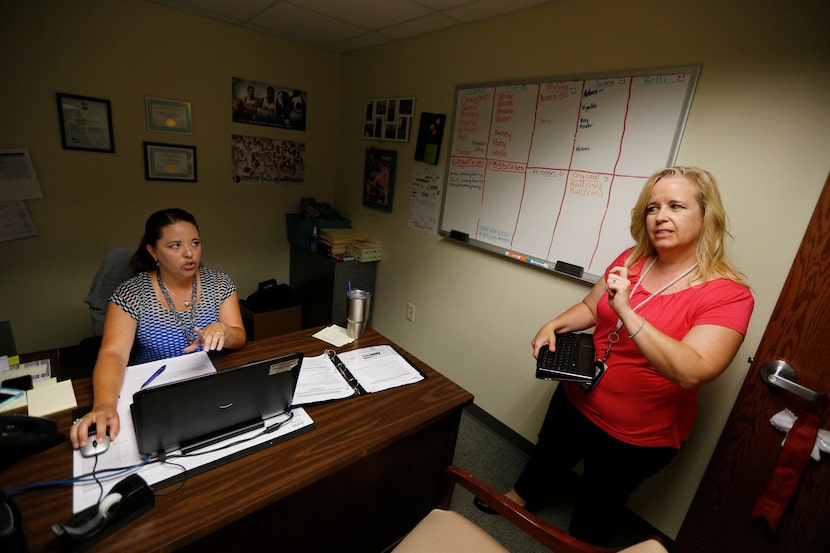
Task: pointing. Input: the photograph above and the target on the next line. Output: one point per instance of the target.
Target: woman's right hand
(546, 335)
(105, 418)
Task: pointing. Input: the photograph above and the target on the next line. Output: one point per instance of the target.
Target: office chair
(114, 269)
(78, 361)
(446, 531)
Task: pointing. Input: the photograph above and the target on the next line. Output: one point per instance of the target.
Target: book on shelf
(335, 241)
(340, 236)
(330, 376)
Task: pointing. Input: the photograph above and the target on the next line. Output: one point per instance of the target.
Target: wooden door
(719, 519)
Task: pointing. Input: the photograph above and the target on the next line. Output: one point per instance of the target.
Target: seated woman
(172, 306)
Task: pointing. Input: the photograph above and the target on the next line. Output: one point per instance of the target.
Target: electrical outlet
(410, 312)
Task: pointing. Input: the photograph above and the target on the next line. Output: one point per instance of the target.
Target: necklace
(614, 335)
(188, 329)
(185, 300)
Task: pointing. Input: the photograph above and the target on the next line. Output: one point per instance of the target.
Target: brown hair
(142, 260)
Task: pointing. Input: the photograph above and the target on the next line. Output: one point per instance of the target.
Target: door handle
(781, 374)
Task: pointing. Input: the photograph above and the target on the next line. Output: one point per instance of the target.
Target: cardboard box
(365, 251)
(299, 228)
(274, 323)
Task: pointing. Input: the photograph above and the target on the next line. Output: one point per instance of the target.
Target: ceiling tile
(490, 8)
(368, 14)
(358, 43)
(286, 19)
(235, 10)
(347, 25)
(421, 26)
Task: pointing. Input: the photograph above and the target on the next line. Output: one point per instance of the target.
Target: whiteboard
(547, 171)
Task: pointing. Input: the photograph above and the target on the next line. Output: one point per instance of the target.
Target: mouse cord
(97, 480)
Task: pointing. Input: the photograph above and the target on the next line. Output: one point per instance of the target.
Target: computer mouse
(95, 444)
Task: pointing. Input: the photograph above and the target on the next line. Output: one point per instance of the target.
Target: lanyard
(188, 329)
(614, 335)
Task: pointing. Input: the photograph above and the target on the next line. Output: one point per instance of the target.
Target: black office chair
(79, 360)
(114, 269)
(445, 531)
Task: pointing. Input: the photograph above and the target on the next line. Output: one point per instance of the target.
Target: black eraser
(569, 269)
(458, 235)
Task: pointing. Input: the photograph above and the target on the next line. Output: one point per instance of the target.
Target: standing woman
(172, 306)
(669, 317)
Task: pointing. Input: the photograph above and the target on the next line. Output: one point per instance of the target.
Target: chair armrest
(546, 534)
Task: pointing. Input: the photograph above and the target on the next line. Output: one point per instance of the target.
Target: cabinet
(321, 283)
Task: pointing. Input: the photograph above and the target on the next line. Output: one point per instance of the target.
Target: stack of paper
(337, 240)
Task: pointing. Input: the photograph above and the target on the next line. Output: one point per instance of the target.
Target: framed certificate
(168, 115)
(86, 123)
(169, 162)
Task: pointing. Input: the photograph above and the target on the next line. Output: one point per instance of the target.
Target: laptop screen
(173, 415)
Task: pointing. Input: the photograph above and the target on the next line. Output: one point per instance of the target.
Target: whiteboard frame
(543, 264)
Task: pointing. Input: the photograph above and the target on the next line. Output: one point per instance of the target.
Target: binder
(329, 376)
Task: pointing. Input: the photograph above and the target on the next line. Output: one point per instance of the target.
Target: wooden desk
(363, 478)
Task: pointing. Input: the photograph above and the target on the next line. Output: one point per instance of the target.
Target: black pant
(612, 469)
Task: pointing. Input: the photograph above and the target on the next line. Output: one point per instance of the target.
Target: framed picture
(389, 118)
(267, 104)
(379, 178)
(86, 123)
(165, 115)
(258, 160)
(169, 162)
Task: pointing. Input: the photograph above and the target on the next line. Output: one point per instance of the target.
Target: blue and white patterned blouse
(159, 335)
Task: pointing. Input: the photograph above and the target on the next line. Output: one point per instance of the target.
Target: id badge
(599, 369)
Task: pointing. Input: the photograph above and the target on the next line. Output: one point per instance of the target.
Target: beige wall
(759, 121)
(123, 51)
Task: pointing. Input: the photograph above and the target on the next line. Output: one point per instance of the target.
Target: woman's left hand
(209, 339)
(619, 289)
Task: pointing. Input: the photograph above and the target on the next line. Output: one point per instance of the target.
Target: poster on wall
(379, 178)
(268, 104)
(258, 160)
(389, 118)
(425, 199)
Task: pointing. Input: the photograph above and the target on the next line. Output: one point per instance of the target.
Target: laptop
(572, 361)
(198, 411)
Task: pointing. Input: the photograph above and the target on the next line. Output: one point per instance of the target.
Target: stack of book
(336, 240)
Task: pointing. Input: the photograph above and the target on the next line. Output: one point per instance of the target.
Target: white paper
(15, 221)
(334, 335)
(379, 368)
(425, 199)
(18, 180)
(38, 369)
(124, 453)
(176, 368)
(51, 397)
(320, 381)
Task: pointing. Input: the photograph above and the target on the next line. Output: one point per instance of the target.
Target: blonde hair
(711, 254)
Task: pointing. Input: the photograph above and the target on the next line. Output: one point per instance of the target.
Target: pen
(153, 376)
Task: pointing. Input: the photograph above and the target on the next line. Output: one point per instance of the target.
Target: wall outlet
(410, 312)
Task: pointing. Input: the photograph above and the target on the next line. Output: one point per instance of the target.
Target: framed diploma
(165, 115)
(170, 162)
(86, 123)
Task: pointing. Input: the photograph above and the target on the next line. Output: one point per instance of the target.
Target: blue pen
(153, 377)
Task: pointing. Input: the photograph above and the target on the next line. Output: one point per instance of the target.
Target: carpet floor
(497, 455)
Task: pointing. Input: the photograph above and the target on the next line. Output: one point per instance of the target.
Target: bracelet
(636, 332)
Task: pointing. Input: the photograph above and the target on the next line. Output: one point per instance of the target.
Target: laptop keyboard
(567, 348)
